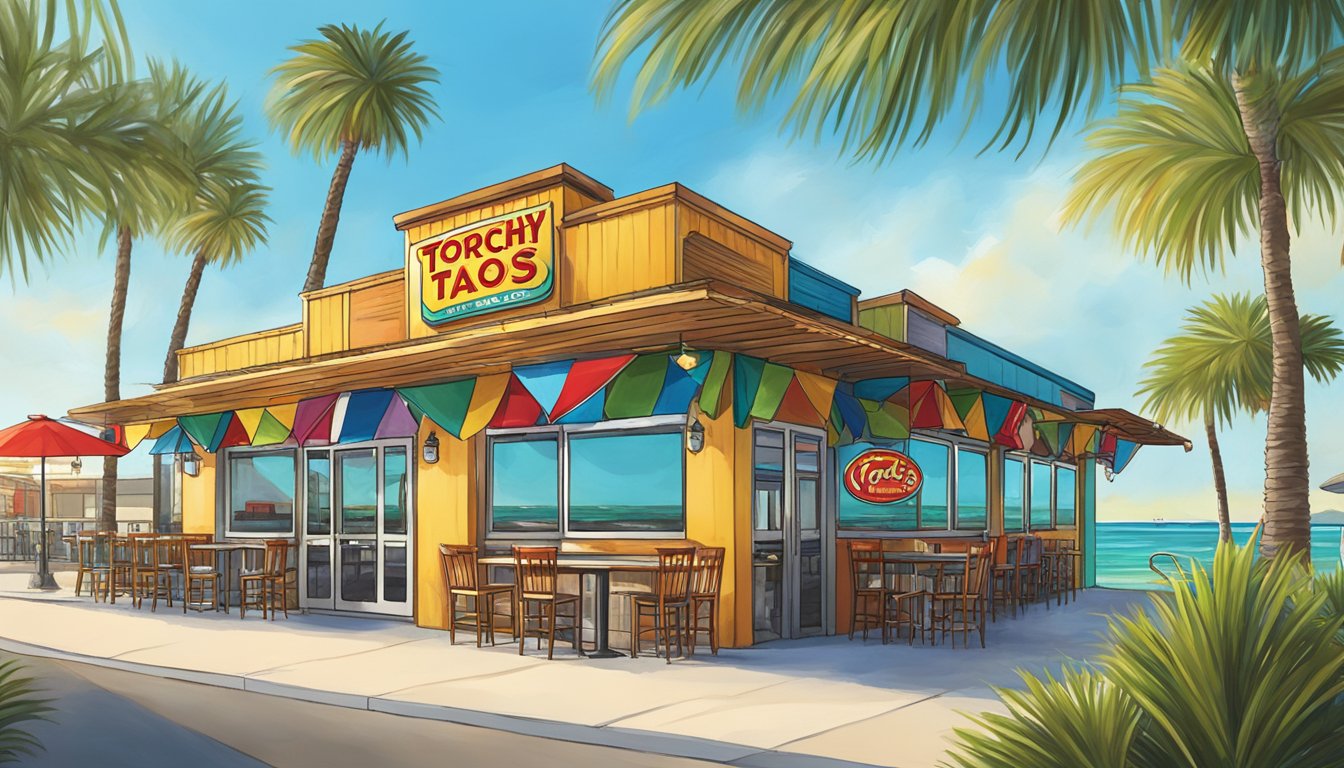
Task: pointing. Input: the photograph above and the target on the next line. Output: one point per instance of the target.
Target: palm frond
(1255, 35)
(226, 222)
(19, 705)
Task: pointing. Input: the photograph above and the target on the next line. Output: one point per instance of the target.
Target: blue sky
(978, 235)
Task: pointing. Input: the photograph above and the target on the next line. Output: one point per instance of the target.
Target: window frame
(1031, 495)
(229, 454)
(953, 443)
(1024, 517)
(955, 521)
(673, 424)
(1054, 495)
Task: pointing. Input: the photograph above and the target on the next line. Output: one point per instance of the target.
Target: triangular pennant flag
(590, 411)
(363, 413)
(135, 434)
(678, 390)
(312, 419)
(712, 401)
(201, 427)
(880, 389)
(445, 404)
(485, 399)
(996, 412)
(175, 440)
(700, 371)
(1049, 434)
(250, 418)
(1124, 453)
(1080, 443)
(397, 420)
(544, 381)
(229, 434)
(160, 428)
(1065, 433)
(974, 421)
(885, 420)
(270, 431)
(947, 410)
(518, 408)
(924, 410)
(820, 390)
(775, 381)
(963, 400)
(851, 413)
(284, 414)
(747, 372)
(634, 391)
(585, 378)
(796, 408)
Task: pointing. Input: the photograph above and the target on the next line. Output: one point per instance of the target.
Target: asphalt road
(107, 718)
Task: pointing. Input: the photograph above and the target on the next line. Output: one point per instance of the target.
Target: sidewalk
(782, 703)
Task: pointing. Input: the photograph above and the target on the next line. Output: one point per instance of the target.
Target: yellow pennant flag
(135, 433)
(820, 391)
(284, 414)
(484, 402)
(250, 418)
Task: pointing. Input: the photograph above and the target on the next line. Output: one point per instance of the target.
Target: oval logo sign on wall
(881, 476)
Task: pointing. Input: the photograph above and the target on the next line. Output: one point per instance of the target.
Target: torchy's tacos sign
(880, 476)
(506, 261)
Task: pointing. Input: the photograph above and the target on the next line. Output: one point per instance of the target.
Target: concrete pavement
(821, 701)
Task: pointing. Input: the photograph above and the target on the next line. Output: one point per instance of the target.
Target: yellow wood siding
(445, 513)
(274, 346)
(198, 498)
(771, 260)
(623, 253)
(378, 314)
(711, 510)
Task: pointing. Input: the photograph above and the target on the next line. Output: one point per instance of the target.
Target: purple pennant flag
(397, 420)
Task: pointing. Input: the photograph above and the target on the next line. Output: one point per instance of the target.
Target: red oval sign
(880, 476)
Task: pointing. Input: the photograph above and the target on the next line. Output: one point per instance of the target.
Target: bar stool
(266, 587)
(1033, 581)
(147, 579)
(866, 574)
(169, 557)
(95, 558)
(963, 610)
(198, 573)
(706, 578)
(1007, 575)
(83, 568)
(670, 599)
(1063, 554)
(460, 572)
(537, 570)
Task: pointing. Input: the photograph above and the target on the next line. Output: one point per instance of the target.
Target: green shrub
(1242, 666)
(18, 705)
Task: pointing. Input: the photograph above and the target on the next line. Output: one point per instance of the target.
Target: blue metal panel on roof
(816, 290)
(994, 363)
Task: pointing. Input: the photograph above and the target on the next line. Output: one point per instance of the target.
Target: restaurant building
(613, 374)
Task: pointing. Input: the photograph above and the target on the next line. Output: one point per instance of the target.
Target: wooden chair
(83, 568)
(95, 558)
(536, 570)
(267, 587)
(1032, 577)
(460, 576)
(147, 579)
(866, 571)
(903, 603)
(169, 557)
(668, 603)
(964, 609)
(198, 573)
(706, 578)
(1004, 579)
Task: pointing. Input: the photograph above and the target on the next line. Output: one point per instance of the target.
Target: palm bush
(1239, 666)
(18, 705)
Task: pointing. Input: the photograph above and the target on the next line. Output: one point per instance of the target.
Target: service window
(260, 492)
(525, 483)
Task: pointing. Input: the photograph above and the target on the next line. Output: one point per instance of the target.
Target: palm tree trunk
(121, 281)
(1287, 507)
(331, 216)
(179, 337)
(1219, 480)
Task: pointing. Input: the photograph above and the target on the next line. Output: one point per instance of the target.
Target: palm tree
(352, 90)
(882, 76)
(224, 215)
(1221, 363)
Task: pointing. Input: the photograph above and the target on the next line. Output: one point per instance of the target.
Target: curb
(667, 745)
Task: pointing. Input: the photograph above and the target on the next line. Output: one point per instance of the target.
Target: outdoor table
(600, 566)
(227, 548)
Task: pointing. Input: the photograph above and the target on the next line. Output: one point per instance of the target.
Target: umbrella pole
(43, 578)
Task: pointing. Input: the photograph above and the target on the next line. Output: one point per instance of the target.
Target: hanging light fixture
(76, 466)
(687, 359)
(191, 464)
(430, 452)
(695, 436)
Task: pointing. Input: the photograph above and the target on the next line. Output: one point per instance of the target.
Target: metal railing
(19, 538)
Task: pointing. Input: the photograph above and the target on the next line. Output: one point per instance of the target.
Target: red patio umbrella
(44, 438)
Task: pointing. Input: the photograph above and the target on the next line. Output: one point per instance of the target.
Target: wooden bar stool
(1007, 575)
(706, 578)
(84, 569)
(460, 572)
(537, 571)
(199, 577)
(963, 610)
(147, 579)
(866, 575)
(669, 600)
(267, 587)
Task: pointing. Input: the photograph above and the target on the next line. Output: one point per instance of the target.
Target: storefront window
(261, 492)
(1066, 486)
(394, 490)
(1041, 496)
(319, 494)
(1014, 494)
(972, 489)
(626, 482)
(926, 510)
(524, 484)
(935, 460)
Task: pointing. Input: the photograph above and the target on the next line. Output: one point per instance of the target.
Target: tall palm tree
(1221, 363)
(223, 215)
(353, 89)
(886, 75)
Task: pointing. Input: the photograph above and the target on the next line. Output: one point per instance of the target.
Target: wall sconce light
(431, 450)
(695, 436)
(687, 360)
(76, 466)
(191, 464)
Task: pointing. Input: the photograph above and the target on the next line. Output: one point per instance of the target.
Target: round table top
(589, 562)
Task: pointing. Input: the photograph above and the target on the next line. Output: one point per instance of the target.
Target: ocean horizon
(1123, 548)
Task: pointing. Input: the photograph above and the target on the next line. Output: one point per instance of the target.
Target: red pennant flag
(518, 408)
(585, 378)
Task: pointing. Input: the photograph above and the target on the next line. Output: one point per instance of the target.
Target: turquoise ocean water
(1123, 548)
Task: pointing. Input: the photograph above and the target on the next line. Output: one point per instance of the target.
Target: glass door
(357, 544)
(789, 542)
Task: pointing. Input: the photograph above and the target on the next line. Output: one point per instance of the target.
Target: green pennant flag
(775, 381)
(201, 427)
(963, 400)
(270, 431)
(634, 392)
(888, 421)
(1065, 432)
(1049, 432)
(712, 400)
(444, 404)
(747, 372)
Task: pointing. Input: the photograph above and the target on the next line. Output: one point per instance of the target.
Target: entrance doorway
(358, 513)
(790, 533)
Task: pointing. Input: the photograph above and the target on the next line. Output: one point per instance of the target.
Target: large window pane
(1065, 500)
(630, 482)
(359, 491)
(934, 460)
(394, 490)
(1040, 495)
(261, 492)
(859, 515)
(1014, 494)
(972, 490)
(319, 494)
(524, 485)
